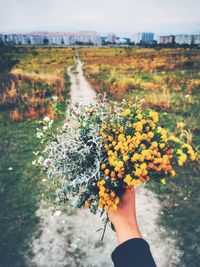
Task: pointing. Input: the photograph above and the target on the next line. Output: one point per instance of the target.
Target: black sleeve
(133, 253)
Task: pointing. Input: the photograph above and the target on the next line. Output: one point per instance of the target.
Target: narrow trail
(72, 240)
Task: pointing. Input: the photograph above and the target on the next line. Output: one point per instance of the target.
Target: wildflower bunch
(110, 147)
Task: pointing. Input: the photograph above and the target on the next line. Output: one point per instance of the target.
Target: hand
(124, 218)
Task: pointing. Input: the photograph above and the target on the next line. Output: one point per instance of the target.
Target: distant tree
(6, 61)
(45, 41)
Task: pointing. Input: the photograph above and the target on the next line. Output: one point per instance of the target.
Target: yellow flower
(101, 182)
(121, 137)
(106, 171)
(174, 139)
(126, 112)
(117, 200)
(125, 158)
(112, 194)
(138, 172)
(113, 143)
(135, 157)
(110, 152)
(128, 179)
(117, 147)
(154, 116)
(120, 175)
(182, 159)
(150, 135)
(135, 182)
(143, 166)
(163, 181)
(152, 124)
(138, 126)
(172, 172)
(162, 145)
(193, 156)
(87, 203)
(180, 125)
(154, 144)
(120, 164)
(110, 138)
(103, 166)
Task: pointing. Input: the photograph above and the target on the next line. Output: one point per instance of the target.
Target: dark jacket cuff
(134, 252)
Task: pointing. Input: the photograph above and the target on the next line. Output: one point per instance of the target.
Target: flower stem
(104, 229)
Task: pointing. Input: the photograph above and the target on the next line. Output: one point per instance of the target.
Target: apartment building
(167, 39)
(54, 38)
(143, 38)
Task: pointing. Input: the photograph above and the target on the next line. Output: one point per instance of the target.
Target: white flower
(66, 126)
(46, 119)
(47, 162)
(45, 128)
(39, 135)
(40, 160)
(55, 98)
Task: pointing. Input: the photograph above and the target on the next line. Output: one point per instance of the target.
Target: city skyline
(127, 17)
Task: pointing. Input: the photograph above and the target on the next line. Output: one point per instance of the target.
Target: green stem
(104, 229)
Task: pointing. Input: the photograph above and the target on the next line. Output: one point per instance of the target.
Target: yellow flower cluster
(107, 199)
(135, 150)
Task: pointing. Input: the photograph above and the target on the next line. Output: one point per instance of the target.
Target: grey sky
(160, 16)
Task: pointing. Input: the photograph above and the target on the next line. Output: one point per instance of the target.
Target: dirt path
(72, 240)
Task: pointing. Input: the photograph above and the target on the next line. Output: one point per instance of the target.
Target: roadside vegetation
(168, 80)
(30, 80)
(37, 75)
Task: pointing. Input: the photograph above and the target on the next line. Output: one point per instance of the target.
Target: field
(31, 77)
(169, 81)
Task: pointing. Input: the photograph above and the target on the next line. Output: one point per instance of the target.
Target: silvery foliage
(72, 156)
(73, 159)
(74, 163)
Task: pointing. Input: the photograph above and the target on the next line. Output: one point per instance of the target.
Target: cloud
(104, 15)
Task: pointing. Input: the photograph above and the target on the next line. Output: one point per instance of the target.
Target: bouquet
(105, 148)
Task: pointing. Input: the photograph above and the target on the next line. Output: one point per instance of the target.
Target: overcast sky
(128, 16)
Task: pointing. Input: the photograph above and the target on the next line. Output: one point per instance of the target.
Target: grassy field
(39, 74)
(19, 190)
(28, 81)
(169, 81)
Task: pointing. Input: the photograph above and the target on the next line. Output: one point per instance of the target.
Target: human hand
(124, 218)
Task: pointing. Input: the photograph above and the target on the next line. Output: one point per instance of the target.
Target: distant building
(196, 39)
(184, 39)
(143, 38)
(54, 38)
(85, 37)
(168, 39)
(111, 38)
(135, 39)
(1, 38)
(123, 41)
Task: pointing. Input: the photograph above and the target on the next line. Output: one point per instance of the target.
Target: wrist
(126, 231)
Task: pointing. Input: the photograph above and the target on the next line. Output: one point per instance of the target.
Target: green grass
(180, 197)
(19, 190)
(20, 181)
